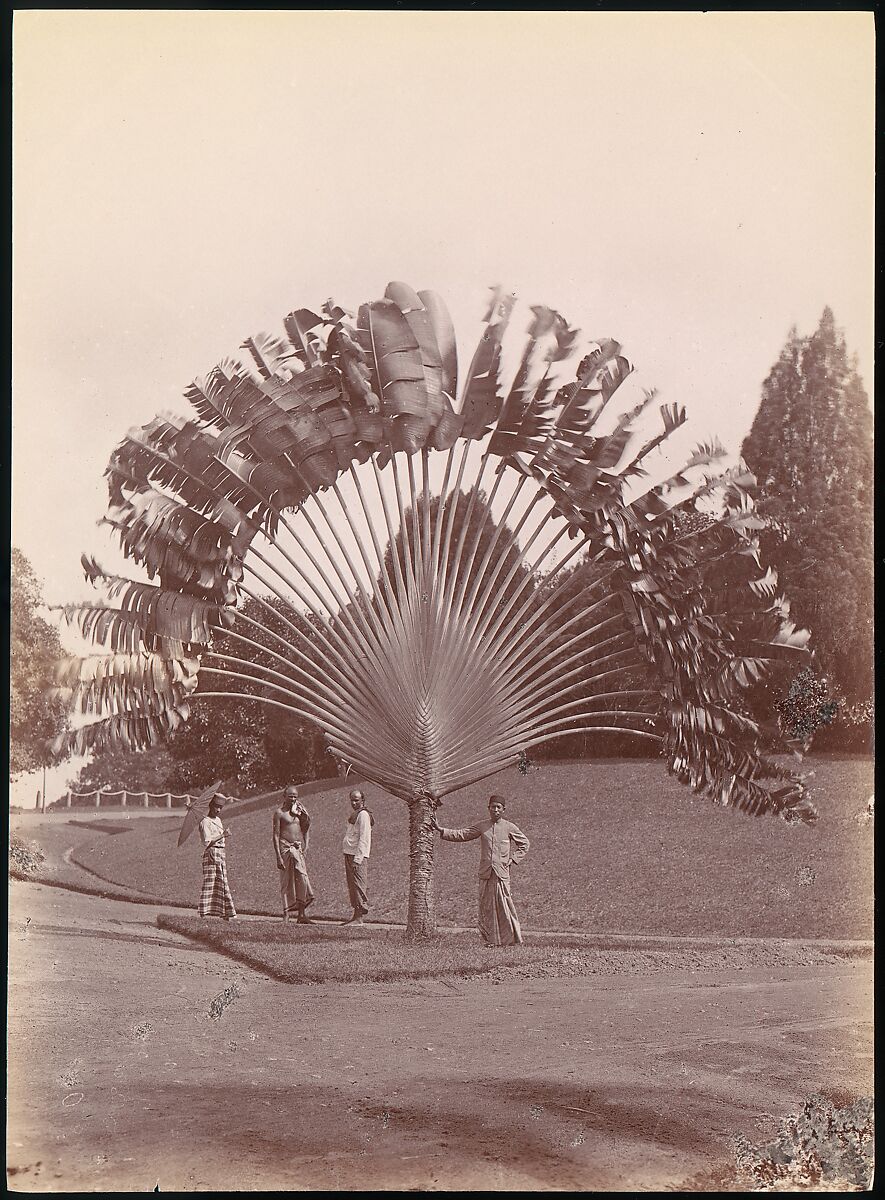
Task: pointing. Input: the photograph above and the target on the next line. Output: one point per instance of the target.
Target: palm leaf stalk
(429, 639)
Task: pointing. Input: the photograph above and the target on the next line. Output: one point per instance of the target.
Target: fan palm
(435, 665)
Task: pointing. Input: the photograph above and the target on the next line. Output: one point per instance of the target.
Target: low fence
(125, 799)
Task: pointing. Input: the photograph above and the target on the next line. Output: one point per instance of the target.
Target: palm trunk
(422, 918)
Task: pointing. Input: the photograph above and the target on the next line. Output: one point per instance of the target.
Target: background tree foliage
(114, 768)
(811, 450)
(36, 717)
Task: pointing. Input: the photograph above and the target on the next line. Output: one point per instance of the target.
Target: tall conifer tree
(810, 448)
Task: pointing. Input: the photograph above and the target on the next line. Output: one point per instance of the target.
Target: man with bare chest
(291, 832)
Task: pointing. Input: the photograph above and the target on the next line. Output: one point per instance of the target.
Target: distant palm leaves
(432, 667)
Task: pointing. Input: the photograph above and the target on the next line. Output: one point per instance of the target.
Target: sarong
(215, 897)
(295, 887)
(357, 881)
(498, 922)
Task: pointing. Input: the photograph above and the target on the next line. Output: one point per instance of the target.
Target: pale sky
(690, 184)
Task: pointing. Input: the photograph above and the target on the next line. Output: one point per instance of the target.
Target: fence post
(146, 800)
(123, 801)
(67, 799)
(168, 799)
(98, 798)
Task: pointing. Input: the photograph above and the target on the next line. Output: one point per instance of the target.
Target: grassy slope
(617, 846)
(50, 840)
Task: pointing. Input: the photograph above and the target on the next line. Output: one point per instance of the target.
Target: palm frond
(481, 401)
(434, 640)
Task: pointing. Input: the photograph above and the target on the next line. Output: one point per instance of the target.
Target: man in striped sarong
(215, 897)
(501, 845)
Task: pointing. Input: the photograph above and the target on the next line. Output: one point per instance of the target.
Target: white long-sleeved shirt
(210, 829)
(358, 836)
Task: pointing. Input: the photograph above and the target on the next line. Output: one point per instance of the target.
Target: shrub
(822, 1147)
(25, 859)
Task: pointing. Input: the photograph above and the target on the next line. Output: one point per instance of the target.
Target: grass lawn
(36, 852)
(617, 847)
(303, 954)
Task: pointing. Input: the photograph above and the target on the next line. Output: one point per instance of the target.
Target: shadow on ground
(472, 1133)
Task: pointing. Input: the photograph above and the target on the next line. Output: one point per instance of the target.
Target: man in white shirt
(357, 845)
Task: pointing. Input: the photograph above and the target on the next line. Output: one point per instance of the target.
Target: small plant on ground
(24, 858)
(822, 1148)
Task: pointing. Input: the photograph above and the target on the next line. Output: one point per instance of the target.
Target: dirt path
(121, 1078)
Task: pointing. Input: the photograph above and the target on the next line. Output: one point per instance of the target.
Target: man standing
(357, 845)
(291, 831)
(501, 845)
(215, 897)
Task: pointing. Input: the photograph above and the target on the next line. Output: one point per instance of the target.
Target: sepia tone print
(534, 513)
